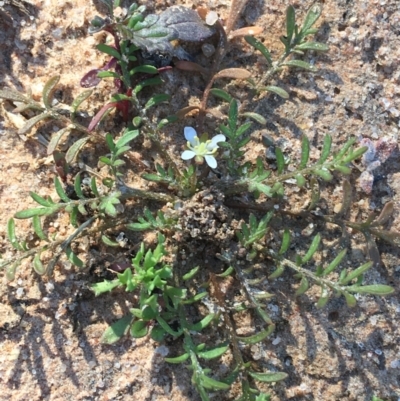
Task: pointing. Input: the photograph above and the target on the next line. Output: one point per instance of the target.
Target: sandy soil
(50, 327)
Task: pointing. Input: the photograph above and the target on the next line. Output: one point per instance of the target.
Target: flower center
(200, 148)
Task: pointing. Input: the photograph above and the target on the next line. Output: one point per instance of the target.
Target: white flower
(201, 150)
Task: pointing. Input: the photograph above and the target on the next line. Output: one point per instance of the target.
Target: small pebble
(208, 49)
(276, 341)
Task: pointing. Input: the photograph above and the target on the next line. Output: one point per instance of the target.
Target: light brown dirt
(50, 327)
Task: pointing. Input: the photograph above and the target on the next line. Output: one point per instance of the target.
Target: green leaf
(255, 116)
(260, 47)
(177, 359)
(277, 90)
(277, 273)
(38, 265)
(256, 338)
(350, 299)
(111, 51)
(300, 180)
(77, 187)
(108, 241)
(256, 186)
(37, 227)
(303, 287)
(117, 330)
(355, 273)
(305, 152)
(108, 74)
(138, 226)
(189, 275)
(148, 69)
(104, 286)
(354, 155)
(110, 142)
(313, 248)
(324, 174)
(167, 120)
(203, 323)
(375, 289)
(93, 187)
(60, 190)
(137, 121)
(323, 299)
(158, 334)
(139, 329)
(335, 262)
(157, 99)
(167, 328)
(268, 377)
(13, 95)
(48, 91)
(80, 99)
(42, 201)
(41, 211)
(227, 272)
(212, 384)
(75, 149)
(147, 82)
(300, 64)
(214, 352)
(316, 46)
(11, 235)
(195, 298)
(221, 94)
(290, 23)
(55, 139)
(33, 121)
(233, 115)
(311, 18)
(73, 258)
(315, 193)
(280, 160)
(119, 97)
(10, 273)
(345, 148)
(326, 149)
(73, 216)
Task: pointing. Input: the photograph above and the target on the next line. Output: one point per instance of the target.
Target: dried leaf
(385, 215)
(182, 112)
(34, 120)
(190, 66)
(48, 91)
(235, 73)
(246, 31)
(75, 148)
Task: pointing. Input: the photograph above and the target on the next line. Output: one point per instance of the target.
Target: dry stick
(219, 55)
(236, 9)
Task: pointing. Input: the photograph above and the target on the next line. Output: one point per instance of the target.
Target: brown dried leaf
(246, 31)
(235, 73)
(190, 66)
(385, 215)
(182, 112)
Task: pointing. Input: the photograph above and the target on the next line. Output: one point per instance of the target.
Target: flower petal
(211, 161)
(216, 139)
(188, 154)
(190, 134)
